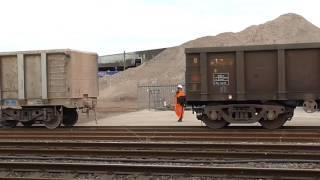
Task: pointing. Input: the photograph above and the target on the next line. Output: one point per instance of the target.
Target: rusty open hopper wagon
(247, 84)
(46, 86)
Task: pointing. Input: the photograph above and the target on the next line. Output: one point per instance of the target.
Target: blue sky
(112, 26)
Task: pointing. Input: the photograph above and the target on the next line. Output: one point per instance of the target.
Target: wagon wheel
(214, 124)
(275, 124)
(290, 115)
(53, 123)
(70, 117)
(9, 123)
(27, 123)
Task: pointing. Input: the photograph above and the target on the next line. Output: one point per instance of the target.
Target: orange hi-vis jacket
(179, 108)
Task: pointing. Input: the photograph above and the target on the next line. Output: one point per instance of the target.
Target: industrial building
(118, 62)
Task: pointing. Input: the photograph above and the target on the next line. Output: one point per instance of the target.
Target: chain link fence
(156, 97)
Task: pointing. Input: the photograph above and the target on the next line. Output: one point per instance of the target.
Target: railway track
(107, 150)
(184, 159)
(166, 151)
(199, 134)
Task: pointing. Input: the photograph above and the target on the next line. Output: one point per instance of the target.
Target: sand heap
(169, 66)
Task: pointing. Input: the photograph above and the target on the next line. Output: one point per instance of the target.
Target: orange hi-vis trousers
(179, 111)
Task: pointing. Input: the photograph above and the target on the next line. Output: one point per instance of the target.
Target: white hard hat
(179, 86)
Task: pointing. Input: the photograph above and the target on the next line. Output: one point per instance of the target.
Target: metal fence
(156, 97)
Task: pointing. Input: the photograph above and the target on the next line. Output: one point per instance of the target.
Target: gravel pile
(169, 66)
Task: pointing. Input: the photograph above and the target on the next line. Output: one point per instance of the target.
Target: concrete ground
(168, 118)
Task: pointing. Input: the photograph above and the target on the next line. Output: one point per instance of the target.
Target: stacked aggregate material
(168, 67)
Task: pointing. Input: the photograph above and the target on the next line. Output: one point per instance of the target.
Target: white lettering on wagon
(221, 79)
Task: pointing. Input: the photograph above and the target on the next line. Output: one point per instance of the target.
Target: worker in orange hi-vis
(180, 102)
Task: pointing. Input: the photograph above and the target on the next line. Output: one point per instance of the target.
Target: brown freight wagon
(46, 87)
(247, 84)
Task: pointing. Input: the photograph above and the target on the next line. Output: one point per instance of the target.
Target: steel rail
(161, 153)
(163, 145)
(166, 128)
(154, 133)
(166, 169)
(133, 137)
(29, 178)
(152, 160)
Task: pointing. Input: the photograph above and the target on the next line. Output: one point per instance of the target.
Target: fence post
(149, 99)
(124, 60)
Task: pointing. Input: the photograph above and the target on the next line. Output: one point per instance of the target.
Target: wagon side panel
(83, 75)
(57, 82)
(221, 76)
(193, 76)
(9, 77)
(303, 72)
(261, 75)
(32, 71)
